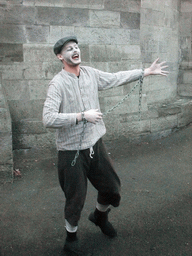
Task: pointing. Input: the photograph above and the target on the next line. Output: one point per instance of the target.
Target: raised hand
(156, 69)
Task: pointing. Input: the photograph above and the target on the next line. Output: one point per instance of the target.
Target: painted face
(71, 54)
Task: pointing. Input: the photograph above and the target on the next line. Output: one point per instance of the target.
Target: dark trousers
(73, 179)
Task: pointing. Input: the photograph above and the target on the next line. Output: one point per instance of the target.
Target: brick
(123, 5)
(37, 34)
(163, 123)
(130, 20)
(62, 16)
(11, 52)
(132, 128)
(104, 19)
(12, 33)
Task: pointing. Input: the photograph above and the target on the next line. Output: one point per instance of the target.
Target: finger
(162, 63)
(164, 67)
(156, 61)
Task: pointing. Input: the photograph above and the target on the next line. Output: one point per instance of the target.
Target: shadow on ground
(154, 218)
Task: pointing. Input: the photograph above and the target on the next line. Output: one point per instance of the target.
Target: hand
(93, 115)
(156, 69)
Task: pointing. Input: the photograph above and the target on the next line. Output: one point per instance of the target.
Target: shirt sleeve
(109, 80)
(51, 116)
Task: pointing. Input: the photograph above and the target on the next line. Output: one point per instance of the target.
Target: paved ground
(155, 216)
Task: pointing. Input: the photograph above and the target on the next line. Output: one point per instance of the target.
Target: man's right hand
(93, 115)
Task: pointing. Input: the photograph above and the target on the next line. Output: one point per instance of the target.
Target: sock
(101, 207)
(70, 228)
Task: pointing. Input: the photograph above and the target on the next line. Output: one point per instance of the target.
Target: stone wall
(113, 35)
(6, 154)
(185, 74)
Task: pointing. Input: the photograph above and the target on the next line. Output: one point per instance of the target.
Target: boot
(71, 246)
(101, 219)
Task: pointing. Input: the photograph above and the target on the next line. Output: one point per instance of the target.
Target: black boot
(101, 219)
(71, 247)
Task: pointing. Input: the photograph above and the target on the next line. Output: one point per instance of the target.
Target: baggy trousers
(73, 179)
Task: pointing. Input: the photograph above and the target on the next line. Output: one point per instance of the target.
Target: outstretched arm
(156, 69)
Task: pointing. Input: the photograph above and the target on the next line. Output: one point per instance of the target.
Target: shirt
(68, 95)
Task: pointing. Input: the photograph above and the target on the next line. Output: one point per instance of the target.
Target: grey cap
(60, 43)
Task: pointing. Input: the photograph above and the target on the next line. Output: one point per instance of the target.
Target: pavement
(154, 218)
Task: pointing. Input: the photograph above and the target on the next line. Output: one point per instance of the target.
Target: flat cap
(60, 43)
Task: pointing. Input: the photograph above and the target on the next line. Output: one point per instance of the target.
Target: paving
(154, 218)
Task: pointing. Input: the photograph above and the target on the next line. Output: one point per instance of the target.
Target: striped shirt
(68, 95)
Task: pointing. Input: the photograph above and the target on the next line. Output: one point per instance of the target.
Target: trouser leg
(73, 182)
(103, 177)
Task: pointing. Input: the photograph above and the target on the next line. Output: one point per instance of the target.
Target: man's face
(71, 54)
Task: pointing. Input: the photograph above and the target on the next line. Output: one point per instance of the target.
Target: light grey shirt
(68, 95)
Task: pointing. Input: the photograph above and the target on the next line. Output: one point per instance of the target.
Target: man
(72, 107)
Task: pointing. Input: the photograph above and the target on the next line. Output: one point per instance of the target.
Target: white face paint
(71, 54)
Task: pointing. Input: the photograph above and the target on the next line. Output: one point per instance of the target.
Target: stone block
(123, 5)
(185, 117)
(187, 77)
(20, 109)
(12, 33)
(130, 20)
(38, 53)
(28, 126)
(11, 53)
(6, 173)
(164, 123)
(18, 14)
(185, 90)
(57, 32)
(16, 90)
(38, 89)
(185, 24)
(104, 19)
(51, 69)
(14, 72)
(186, 6)
(154, 17)
(33, 141)
(62, 16)
(5, 124)
(135, 37)
(84, 4)
(6, 156)
(37, 34)
(110, 53)
(104, 36)
(124, 65)
(133, 128)
(35, 71)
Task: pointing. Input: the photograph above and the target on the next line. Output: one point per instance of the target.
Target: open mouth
(75, 56)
